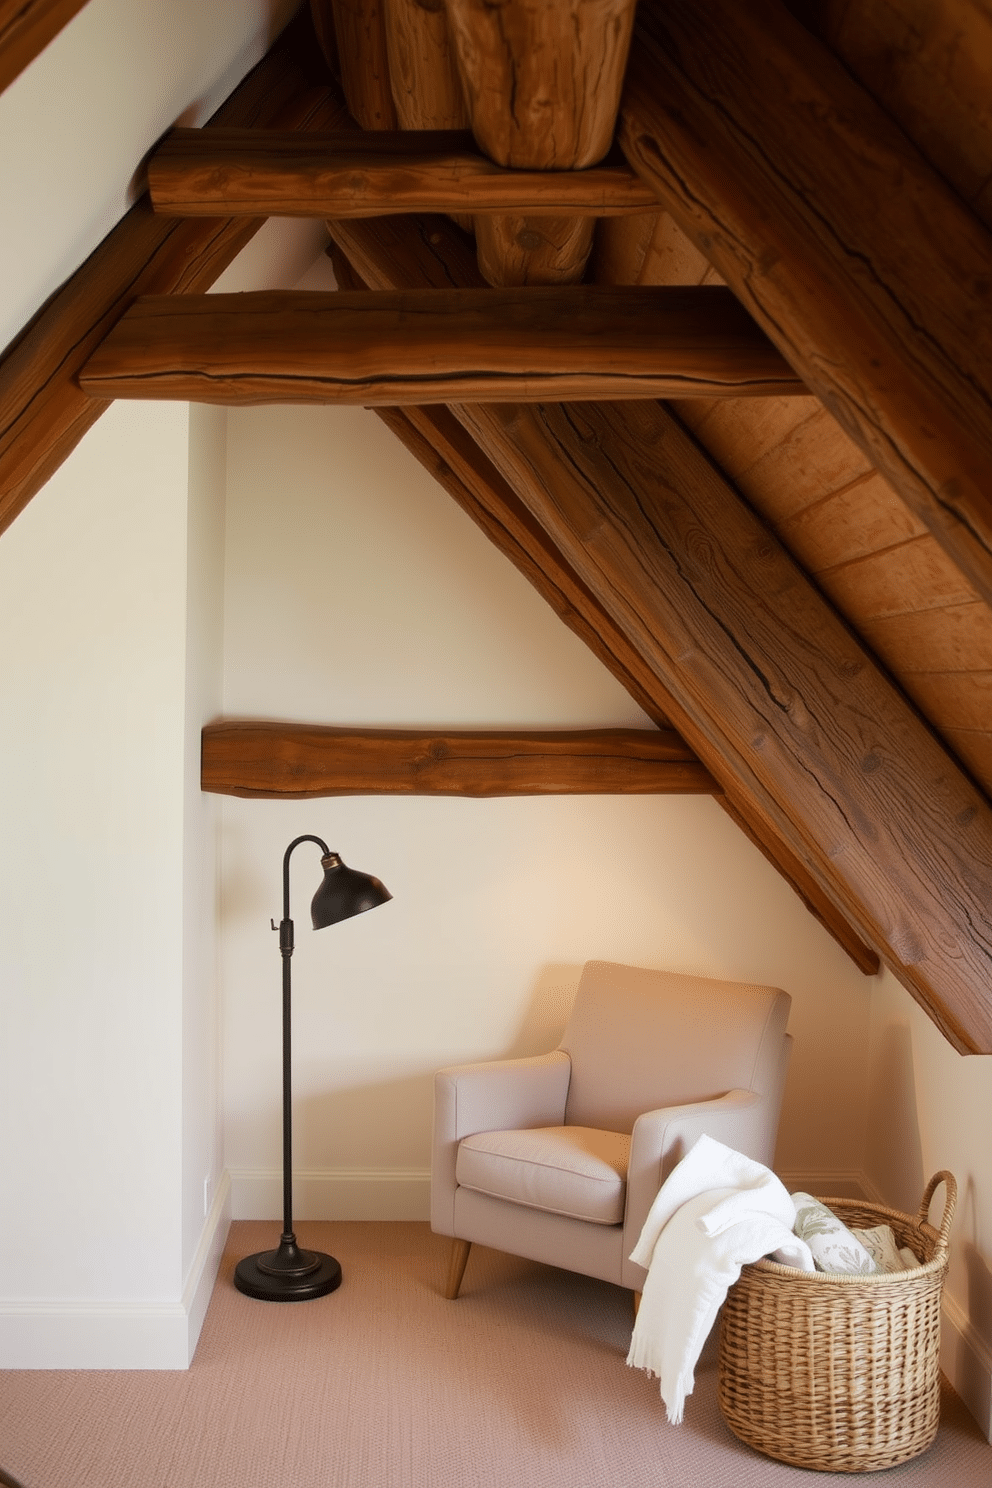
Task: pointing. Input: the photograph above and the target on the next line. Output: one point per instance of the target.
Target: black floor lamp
(289, 1274)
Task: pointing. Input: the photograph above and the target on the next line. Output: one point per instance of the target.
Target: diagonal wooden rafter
(861, 263)
(43, 411)
(430, 251)
(26, 28)
(432, 346)
(788, 711)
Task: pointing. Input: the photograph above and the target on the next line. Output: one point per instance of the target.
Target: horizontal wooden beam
(397, 252)
(432, 346)
(863, 265)
(238, 172)
(26, 28)
(277, 760)
(43, 411)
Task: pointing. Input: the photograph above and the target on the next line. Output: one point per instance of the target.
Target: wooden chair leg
(456, 1267)
(637, 1302)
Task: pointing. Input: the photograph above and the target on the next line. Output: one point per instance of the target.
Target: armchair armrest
(499, 1095)
(662, 1138)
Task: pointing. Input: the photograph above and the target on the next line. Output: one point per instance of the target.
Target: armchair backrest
(640, 1039)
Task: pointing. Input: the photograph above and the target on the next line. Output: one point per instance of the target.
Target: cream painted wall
(92, 635)
(357, 592)
(929, 1109)
(76, 124)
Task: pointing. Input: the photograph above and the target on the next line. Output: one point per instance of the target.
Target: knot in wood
(871, 762)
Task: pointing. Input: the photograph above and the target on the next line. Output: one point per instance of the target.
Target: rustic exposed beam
(542, 81)
(429, 346)
(249, 758)
(804, 720)
(240, 172)
(788, 711)
(395, 252)
(26, 28)
(43, 411)
(423, 75)
(359, 27)
(864, 267)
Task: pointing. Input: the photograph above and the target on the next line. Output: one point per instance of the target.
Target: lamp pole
(289, 1274)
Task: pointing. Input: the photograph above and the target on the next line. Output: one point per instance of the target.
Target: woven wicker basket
(839, 1373)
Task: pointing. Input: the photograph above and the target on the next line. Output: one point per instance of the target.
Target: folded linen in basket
(836, 1249)
(717, 1211)
(880, 1242)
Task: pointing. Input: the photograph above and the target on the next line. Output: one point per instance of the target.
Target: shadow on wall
(543, 1022)
(893, 1155)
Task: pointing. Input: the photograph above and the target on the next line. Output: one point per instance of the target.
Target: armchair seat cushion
(577, 1171)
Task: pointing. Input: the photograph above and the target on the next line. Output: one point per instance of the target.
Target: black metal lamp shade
(344, 892)
(289, 1274)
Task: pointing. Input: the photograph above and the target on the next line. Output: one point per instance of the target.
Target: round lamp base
(269, 1278)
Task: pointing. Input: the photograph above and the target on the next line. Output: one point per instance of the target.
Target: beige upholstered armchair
(558, 1158)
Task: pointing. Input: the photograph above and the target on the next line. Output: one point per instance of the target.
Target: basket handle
(950, 1204)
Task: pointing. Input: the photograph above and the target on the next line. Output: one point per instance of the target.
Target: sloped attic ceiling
(798, 584)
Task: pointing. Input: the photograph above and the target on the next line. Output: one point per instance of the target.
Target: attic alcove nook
(837, 693)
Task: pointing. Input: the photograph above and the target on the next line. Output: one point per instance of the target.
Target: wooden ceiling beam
(393, 252)
(43, 411)
(541, 80)
(862, 264)
(805, 722)
(240, 172)
(26, 28)
(282, 760)
(788, 711)
(430, 346)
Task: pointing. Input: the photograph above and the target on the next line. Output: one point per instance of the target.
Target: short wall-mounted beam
(434, 346)
(280, 760)
(240, 172)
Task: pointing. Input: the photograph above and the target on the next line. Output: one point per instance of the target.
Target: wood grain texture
(930, 66)
(541, 79)
(429, 346)
(423, 72)
(43, 411)
(395, 252)
(797, 711)
(202, 173)
(274, 760)
(862, 264)
(26, 28)
(359, 28)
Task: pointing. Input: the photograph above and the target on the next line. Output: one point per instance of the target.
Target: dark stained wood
(862, 264)
(429, 346)
(542, 81)
(248, 758)
(930, 66)
(395, 252)
(43, 411)
(203, 173)
(26, 28)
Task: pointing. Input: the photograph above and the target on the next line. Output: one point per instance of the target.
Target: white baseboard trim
(206, 1263)
(38, 1333)
(333, 1193)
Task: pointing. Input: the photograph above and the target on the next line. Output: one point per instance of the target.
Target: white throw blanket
(717, 1211)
